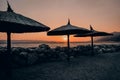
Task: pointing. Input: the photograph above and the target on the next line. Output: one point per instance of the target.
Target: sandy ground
(100, 67)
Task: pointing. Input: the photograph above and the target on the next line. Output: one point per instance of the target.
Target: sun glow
(64, 38)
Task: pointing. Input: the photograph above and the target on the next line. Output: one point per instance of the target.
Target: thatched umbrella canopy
(67, 30)
(11, 22)
(92, 34)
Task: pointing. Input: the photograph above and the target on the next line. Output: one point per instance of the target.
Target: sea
(28, 43)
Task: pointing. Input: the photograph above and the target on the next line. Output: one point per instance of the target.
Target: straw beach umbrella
(11, 22)
(67, 30)
(92, 34)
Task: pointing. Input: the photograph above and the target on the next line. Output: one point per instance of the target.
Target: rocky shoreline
(43, 53)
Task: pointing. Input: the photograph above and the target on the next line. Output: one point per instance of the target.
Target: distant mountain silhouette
(114, 38)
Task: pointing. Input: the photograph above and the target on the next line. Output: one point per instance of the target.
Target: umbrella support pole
(92, 46)
(9, 42)
(68, 45)
(9, 56)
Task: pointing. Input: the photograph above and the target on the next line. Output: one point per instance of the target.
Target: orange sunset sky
(103, 15)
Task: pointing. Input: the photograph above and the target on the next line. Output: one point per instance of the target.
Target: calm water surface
(26, 44)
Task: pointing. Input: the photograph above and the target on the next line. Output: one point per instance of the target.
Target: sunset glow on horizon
(103, 15)
(65, 38)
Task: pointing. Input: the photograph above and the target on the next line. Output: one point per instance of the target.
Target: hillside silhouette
(114, 38)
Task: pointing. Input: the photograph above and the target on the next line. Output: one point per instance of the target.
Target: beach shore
(45, 63)
(100, 67)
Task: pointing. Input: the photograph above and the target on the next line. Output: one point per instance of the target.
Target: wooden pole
(9, 42)
(68, 41)
(68, 45)
(92, 46)
(9, 57)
